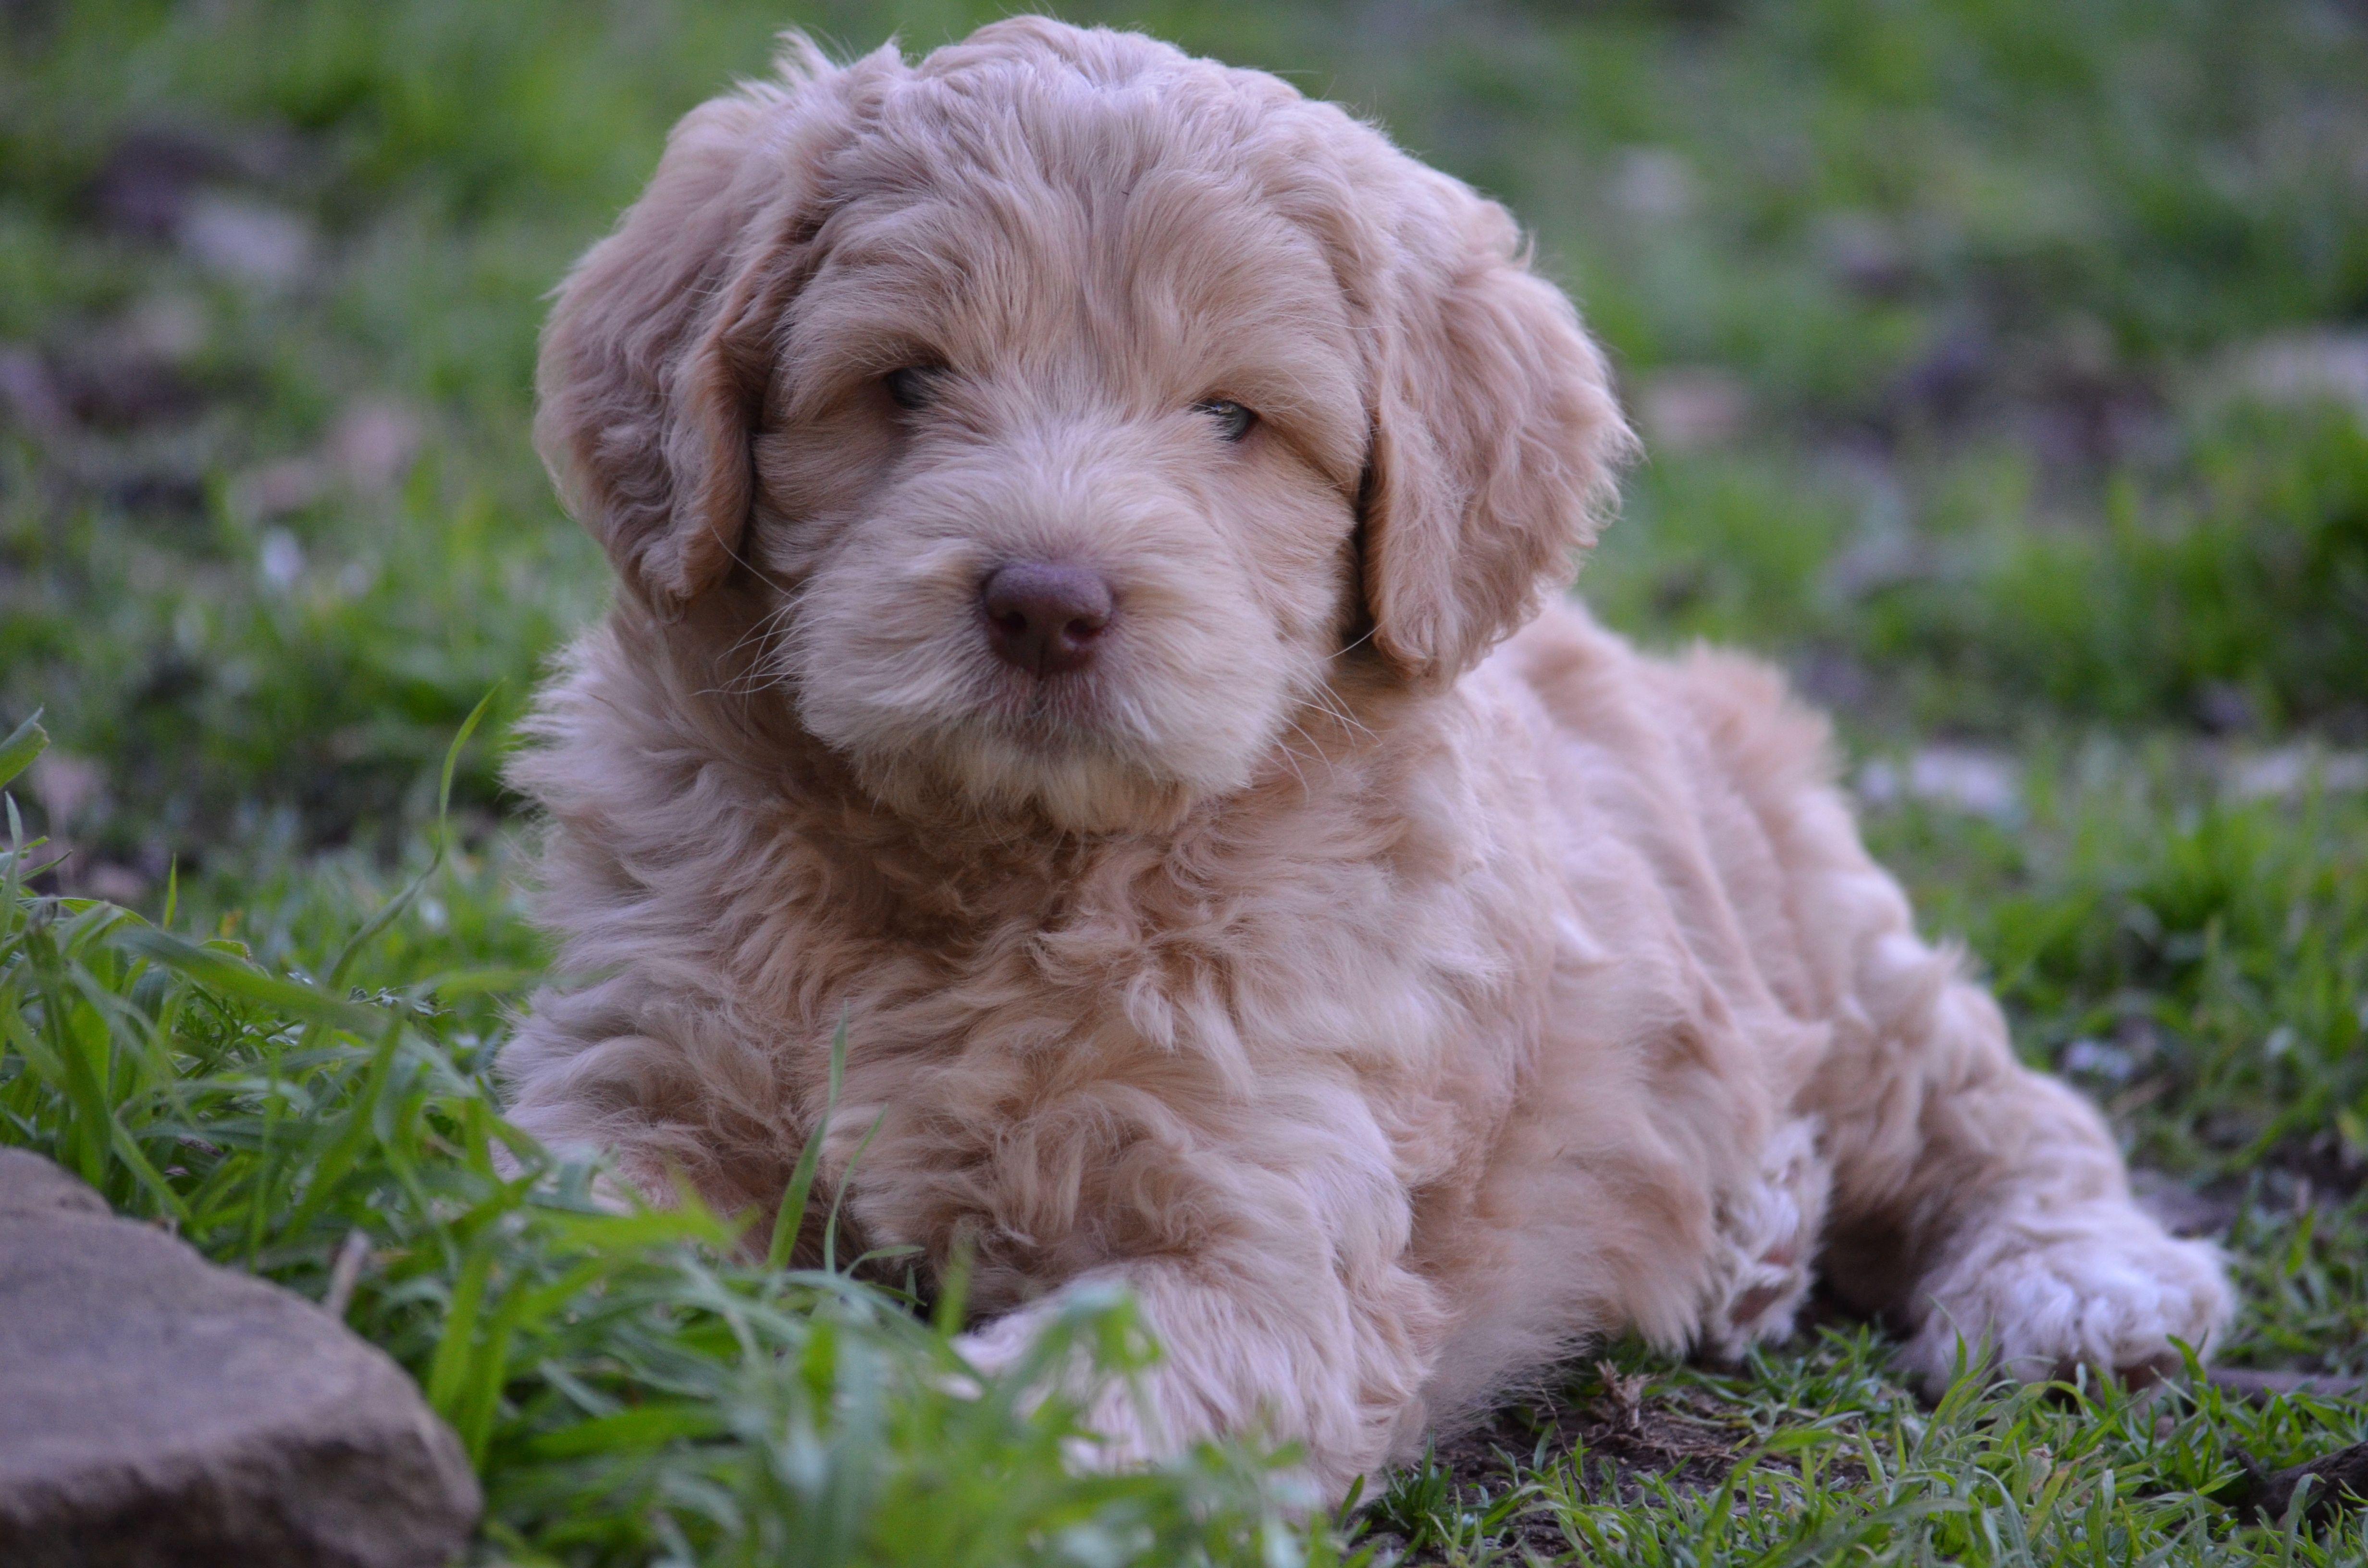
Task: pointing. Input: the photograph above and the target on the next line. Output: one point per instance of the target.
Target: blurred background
(2003, 366)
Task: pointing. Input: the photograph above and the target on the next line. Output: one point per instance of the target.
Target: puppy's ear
(1495, 437)
(656, 355)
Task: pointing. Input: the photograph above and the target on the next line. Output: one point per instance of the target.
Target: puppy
(1088, 524)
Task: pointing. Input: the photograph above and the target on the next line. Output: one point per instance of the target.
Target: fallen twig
(2337, 1479)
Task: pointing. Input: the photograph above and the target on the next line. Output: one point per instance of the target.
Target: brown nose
(1046, 620)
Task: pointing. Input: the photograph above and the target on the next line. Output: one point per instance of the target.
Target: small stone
(156, 1410)
(1963, 779)
(276, 488)
(2224, 708)
(1865, 254)
(280, 559)
(237, 237)
(1886, 555)
(64, 784)
(115, 883)
(1655, 182)
(2294, 369)
(2293, 771)
(1692, 408)
(373, 444)
(2097, 1058)
(31, 396)
(144, 184)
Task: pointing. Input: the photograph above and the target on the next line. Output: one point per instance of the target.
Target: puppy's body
(1388, 1015)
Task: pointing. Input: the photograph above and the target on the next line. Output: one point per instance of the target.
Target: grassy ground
(2004, 363)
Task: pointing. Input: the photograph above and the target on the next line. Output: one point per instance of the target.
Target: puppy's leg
(1985, 1205)
(1249, 1345)
(1764, 1262)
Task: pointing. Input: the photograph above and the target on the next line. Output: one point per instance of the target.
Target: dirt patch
(1628, 1442)
(1625, 1440)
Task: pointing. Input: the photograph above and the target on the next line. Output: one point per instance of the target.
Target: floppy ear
(1496, 438)
(655, 359)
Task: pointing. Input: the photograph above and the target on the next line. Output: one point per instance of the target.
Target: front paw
(1113, 1425)
(2099, 1284)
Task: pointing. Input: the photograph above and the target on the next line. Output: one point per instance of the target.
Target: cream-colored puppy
(1082, 516)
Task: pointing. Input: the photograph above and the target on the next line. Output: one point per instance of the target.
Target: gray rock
(158, 1411)
(32, 1187)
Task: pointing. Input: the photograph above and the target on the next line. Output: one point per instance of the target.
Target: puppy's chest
(1104, 1039)
(1278, 974)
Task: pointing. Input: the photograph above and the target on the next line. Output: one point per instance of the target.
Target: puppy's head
(1068, 406)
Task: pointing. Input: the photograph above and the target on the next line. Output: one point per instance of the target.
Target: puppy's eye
(909, 388)
(1234, 421)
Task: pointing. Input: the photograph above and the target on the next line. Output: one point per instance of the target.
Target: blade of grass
(24, 743)
(391, 909)
(791, 1217)
(838, 1196)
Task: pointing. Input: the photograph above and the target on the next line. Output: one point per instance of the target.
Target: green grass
(1964, 334)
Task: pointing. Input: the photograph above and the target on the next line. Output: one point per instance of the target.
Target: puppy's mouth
(1077, 715)
(1101, 699)
(1076, 708)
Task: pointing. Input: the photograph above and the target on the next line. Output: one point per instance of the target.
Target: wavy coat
(1389, 976)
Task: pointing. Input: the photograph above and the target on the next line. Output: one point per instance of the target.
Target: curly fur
(1389, 976)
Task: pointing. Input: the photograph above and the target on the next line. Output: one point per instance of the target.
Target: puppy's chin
(997, 779)
(975, 750)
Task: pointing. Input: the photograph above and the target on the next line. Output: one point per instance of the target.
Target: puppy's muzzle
(1045, 617)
